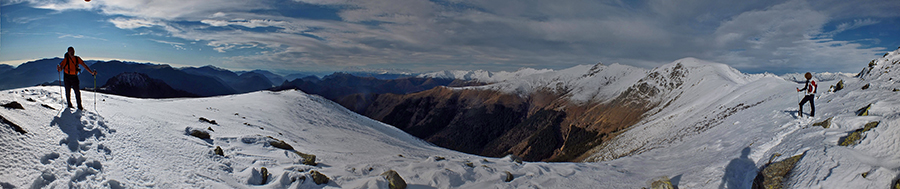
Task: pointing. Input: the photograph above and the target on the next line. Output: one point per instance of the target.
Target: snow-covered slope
(583, 83)
(136, 143)
(719, 137)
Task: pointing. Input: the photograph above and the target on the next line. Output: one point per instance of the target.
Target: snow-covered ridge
(145, 143)
(710, 132)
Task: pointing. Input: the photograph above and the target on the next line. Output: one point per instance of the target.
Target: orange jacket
(70, 65)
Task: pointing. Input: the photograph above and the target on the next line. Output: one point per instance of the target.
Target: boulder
(824, 124)
(661, 183)
(265, 175)
(864, 111)
(839, 86)
(508, 176)
(854, 137)
(772, 176)
(394, 180)
(203, 119)
(200, 134)
(318, 177)
(279, 143)
(308, 159)
(219, 151)
(13, 105)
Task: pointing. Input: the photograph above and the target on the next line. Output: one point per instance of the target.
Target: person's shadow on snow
(739, 172)
(70, 123)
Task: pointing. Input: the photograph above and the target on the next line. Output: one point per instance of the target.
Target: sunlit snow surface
(711, 137)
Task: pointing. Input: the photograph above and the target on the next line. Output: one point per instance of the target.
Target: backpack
(71, 59)
(812, 87)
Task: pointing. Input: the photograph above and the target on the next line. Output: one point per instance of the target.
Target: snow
(721, 127)
(698, 139)
(137, 143)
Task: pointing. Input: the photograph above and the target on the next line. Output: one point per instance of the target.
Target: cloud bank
(422, 35)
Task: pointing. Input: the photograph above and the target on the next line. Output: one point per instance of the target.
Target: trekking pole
(59, 74)
(95, 92)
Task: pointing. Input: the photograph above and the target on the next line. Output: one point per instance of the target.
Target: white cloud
(80, 37)
(132, 23)
(858, 23)
(787, 37)
(176, 45)
(506, 34)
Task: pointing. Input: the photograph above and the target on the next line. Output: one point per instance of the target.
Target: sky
(287, 36)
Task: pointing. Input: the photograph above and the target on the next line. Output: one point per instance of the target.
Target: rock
(895, 184)
(772, 176)
(265, 175)
(15, 127)
(200, 134)
(896, 89)
(219, 151)
(864, 111)
(318, 177)
(439, 158)
(864, 87)
(280, 144)
(13, 105)
(661, 183)
(515, 158)
(839, 86)
(210, 129)
(308, 159)
(203, 119)
(824, 124)
(470, 164)
(394, 180)
(48, 106)
(854, 137)
(509, 176)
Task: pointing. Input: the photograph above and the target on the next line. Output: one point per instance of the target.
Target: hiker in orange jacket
(70, 68)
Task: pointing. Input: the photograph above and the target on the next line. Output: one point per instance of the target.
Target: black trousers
(71, 82)
(812, 104)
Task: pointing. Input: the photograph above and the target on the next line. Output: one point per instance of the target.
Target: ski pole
(95, 92)
(59, 74)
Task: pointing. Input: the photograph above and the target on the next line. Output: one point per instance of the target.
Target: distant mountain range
(201, 81)
(140, 85)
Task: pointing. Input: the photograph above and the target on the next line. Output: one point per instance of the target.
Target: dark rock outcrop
(540, 127)
(13, 105)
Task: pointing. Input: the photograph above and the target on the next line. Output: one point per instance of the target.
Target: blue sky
(422, 35)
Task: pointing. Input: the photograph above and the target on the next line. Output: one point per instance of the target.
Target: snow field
(138, 143)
